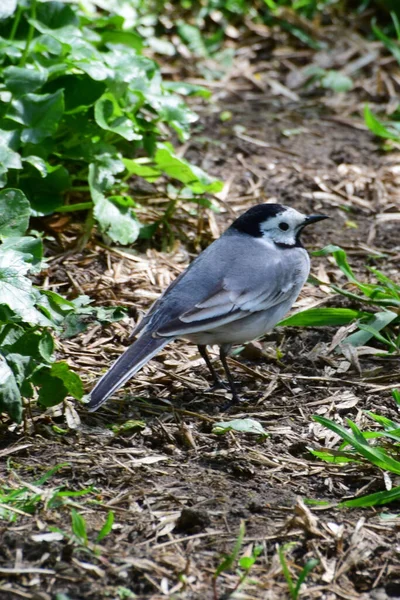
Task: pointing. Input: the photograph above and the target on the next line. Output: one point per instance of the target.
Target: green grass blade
(107, 527)
(374, 455)
(308, 567)
(286, 572)
(78, 525)
(373, 499)
(322, 317)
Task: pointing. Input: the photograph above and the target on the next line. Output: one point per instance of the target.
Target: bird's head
(280, 224)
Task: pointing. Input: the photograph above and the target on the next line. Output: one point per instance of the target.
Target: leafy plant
(245, 563)
(383, 297)
(389, 130)
(241, 426)
(28, 367)
(363, 449)
(78, 97)
(294, 586)
(24, 499)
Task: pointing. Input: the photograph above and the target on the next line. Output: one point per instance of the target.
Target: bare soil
(178, 491)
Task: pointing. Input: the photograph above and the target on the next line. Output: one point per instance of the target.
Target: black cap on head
(250, 221)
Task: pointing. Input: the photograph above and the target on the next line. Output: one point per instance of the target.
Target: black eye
(283, 226)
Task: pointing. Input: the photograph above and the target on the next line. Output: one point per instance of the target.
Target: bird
(233, 292)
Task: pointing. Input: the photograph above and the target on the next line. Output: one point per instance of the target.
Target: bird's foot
(235, 400)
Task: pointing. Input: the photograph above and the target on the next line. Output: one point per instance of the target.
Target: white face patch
(283, 228)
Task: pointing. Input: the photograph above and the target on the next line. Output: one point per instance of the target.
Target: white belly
(243, 330)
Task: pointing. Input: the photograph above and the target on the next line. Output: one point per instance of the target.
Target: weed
(294, 586)
(245, 563)
(363, 449)
(382, 297)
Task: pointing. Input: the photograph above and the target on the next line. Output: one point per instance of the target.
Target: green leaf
(322, 317)
(377, 127)
(70, 379)
(40, 115)
(187, 89)
(16, 289)
(230, 560)
(390, 44)
(14, 213)
(240, 425)
(375, 499)
(9, 159)
(375, 455)
(191, 35)
(10, 397)
(336, 81)
(308, 567)
(46, 194)
(23, 80)
(107, 527)
(56, 383)
(116, 220)
(110, 116)
(178, 168)
(341, 260)
(78, 525)
(30, 247)
(127, 38)
(376, 322)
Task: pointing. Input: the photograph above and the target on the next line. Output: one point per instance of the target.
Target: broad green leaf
(16, 289)
(143, 167)
(116, 220)
(240, 425)
(127, 38)
(14, 213)
(376, 323)
(7, 8)
(9, 158)
(110, 116)
(178, 168)
(322, 317)
(56, 383)
(10, 397)
(80, 92)
(336, 81)
(107, 527)
(23, 80)
(191, 35)
(30, 247)
(40, 115)
(46, 194)
(70, 379)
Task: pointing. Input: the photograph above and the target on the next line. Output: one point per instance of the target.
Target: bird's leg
(216, 380)
(223, 353)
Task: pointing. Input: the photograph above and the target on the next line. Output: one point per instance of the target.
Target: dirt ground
(179, 492)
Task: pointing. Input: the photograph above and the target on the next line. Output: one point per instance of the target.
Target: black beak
(314, 219)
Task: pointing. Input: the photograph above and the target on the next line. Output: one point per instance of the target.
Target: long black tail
(129, 363)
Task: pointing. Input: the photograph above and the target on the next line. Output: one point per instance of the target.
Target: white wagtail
(235, 291)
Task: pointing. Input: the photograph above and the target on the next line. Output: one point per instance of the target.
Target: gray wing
(232, 279)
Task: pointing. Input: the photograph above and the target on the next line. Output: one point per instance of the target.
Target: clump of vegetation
(357, 447)
(379, 321)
